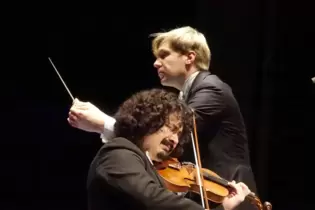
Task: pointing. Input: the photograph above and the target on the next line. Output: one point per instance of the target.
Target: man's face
(171, 66)
(161, 143)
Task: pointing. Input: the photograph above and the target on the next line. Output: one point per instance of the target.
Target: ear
(190, 57)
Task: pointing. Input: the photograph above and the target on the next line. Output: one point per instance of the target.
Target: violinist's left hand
(236, 196)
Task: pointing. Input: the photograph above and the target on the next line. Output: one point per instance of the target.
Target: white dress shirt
(187, 85)
(108, 133)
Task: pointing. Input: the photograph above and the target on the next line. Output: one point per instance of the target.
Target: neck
(189, 72)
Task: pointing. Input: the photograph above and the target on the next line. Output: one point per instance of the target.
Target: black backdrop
(104, 55)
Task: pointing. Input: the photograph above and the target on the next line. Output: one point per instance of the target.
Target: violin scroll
(256, 202)
(267, 206)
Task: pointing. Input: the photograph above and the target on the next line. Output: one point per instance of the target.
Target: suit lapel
(147, 164)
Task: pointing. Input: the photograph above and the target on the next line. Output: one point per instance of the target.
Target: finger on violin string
(231, 184)
(243, 186)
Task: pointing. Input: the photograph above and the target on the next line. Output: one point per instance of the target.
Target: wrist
(100, 127)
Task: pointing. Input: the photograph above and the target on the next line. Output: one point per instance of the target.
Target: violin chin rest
(188, 163)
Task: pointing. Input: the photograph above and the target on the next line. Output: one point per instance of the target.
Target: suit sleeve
(208, 104)
(125, 171)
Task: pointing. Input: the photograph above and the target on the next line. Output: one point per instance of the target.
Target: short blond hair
(183, 40)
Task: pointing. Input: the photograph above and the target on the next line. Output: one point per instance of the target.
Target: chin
(165, 82)
(163, 156)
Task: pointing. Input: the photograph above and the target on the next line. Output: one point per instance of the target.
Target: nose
(157, 64)
(174, 140)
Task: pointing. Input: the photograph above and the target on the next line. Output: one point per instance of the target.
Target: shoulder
(122, 154)
(118, 161)
(209, 89)
(212, 80)
(120, 149)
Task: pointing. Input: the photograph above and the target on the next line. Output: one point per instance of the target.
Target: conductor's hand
(86, 116)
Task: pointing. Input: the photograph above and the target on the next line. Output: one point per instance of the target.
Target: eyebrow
(162, 51)
(178, 126)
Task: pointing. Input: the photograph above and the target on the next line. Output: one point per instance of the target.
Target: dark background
(260, 48)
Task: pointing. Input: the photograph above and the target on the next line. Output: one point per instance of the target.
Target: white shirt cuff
(108, 133)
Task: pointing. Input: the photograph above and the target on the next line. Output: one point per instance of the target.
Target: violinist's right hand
(86, 116)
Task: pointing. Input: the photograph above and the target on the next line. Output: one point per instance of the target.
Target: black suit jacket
(221, 130)
(122, 177)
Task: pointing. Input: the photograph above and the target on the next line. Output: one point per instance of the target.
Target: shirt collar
(148, 156)
(187, 85)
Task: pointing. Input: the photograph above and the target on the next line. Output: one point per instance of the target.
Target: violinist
(150, 126)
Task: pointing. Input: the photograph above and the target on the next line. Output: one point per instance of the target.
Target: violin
(182, 177)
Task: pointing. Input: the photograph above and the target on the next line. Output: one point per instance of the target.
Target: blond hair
(183, 40)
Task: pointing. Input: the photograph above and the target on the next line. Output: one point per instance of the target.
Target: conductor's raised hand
(86, 116)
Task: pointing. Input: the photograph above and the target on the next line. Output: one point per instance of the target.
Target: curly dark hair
(147, 111)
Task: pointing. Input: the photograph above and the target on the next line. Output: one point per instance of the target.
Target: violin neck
(216, 180)
(252, 197)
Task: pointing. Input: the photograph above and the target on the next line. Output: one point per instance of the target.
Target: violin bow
(204, 199)
(61, 78)
(203, 192)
